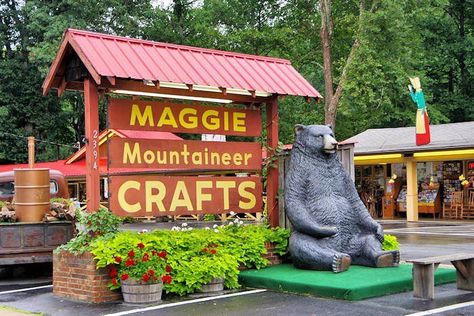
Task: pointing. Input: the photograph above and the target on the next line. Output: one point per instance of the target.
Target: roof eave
(59, 59)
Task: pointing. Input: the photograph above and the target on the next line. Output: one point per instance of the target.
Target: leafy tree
(432, 39)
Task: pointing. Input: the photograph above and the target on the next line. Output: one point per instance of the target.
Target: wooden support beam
(423, 281)
(272, 174)
(465, 274)
(91, 112)
(62, 87)
(135, 85)
(111, 80)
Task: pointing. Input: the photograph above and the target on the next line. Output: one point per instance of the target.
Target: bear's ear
(299, 128)
(330, 126)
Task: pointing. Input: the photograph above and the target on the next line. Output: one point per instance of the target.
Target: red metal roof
(78, 168)
(122, 133)
(120, 57)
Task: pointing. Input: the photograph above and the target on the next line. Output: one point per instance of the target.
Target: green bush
(91, 226)
(390, 242)
(196, 256)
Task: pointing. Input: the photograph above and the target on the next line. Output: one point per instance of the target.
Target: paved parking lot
(417, 240)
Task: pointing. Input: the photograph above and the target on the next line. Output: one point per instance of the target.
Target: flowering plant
(464, 182)
(140, 263)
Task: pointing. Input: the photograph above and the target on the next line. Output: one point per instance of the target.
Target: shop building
(74, 168)
(396, 178)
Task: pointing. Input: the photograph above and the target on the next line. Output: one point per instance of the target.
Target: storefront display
(436, 181)
(470, 173)
(450, 172)
(429, 200)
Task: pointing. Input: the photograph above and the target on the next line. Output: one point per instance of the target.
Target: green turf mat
(355, 284)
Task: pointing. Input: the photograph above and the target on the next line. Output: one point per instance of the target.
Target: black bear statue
(332, 228)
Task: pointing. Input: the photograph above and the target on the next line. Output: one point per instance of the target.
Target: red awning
(126, 58)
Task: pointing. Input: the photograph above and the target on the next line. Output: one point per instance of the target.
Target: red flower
(145, 277)
(114, 281)
(162, 254)
(118, 259)
(166, 279)
(141, 245)
(205, 249)
(213, 251)
(131, 253)
(124, 277)
(129, 262)
(153, 252)
(151, 272)
(113, 272)
(168, 268)
(146, 257)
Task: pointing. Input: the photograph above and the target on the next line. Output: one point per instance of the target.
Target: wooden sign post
(91, 112)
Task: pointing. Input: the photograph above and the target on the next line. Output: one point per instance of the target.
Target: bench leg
(465, 274)
(423, 281)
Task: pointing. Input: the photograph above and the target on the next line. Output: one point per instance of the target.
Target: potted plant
(140, 274)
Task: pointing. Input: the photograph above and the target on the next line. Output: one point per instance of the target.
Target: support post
(412, 191)
(423, 281)
(272, 174)
(91, 111)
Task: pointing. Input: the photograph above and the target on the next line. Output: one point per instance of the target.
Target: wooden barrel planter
(216, 285)
(139, 292)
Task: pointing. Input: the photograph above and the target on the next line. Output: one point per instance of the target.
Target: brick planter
(271, 255)
(75, 277)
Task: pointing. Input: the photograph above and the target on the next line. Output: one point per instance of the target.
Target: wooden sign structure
(183, 118)
(184, 154)
(100, 64)
(154, 195)
(148, 195)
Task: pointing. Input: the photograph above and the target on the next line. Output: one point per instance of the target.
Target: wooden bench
(424, 268)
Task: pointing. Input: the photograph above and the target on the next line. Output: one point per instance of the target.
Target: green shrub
(91, 226)
(196, 256)
(390, 242)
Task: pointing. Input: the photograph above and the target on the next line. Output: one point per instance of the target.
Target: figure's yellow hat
(415, 82)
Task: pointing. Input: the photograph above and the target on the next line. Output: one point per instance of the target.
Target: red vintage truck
(32, 242)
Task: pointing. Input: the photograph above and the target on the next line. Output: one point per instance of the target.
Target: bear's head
(315, 139)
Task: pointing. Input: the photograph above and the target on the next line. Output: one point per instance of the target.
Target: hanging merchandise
(450, 171)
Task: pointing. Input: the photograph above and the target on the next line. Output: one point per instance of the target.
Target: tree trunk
(332, 98)
(325, 34)
(462, 55)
